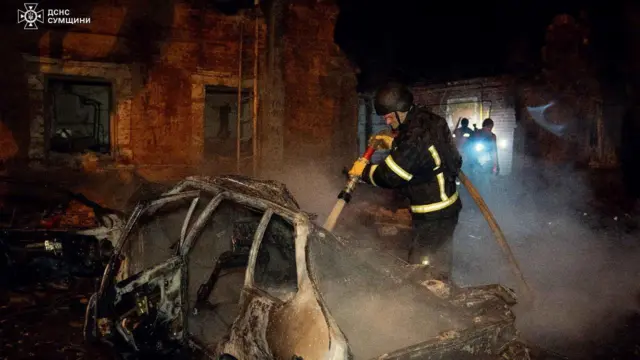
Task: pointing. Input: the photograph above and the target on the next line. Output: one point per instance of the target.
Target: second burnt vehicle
(48, 231)
(231, 267)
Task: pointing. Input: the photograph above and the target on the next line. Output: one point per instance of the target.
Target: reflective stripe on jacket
(422, 163)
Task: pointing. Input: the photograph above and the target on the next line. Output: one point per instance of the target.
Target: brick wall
(159, 66)
(477, 99)
(320, 87)
(580, 142)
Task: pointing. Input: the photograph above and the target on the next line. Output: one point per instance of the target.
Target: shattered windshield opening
(374, 306)
(155, 237)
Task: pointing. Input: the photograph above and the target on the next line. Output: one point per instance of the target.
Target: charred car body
(44, 227)
(232, 266)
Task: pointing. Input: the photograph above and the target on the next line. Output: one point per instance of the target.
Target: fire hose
(345, 196)
(497, 232)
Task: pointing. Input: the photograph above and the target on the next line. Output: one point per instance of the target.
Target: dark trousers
(433, 242)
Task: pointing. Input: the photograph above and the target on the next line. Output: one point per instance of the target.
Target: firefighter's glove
(381, 140)
(358, 167)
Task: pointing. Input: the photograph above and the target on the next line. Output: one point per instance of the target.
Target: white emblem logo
(30, 16)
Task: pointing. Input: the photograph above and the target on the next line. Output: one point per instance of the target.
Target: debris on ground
(45, 319)
(42, 321)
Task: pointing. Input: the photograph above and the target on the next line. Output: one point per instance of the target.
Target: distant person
(422, 165)
(462, 133)
(485, 136)
(483, 158)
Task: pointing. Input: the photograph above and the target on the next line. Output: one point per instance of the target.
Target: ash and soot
(577, 250)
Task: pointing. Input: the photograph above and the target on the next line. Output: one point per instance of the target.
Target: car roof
(268, 190)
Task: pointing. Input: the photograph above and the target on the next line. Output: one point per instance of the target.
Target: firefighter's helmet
(393, 97)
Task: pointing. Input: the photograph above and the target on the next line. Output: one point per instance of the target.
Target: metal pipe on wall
(481, 103)
(254, 136)
(239, 117)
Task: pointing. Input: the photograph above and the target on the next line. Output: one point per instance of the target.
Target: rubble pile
(386, 222)
(78, 215)
(380, 215)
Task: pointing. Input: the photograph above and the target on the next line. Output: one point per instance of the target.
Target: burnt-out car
(45, 228)
(232, 266)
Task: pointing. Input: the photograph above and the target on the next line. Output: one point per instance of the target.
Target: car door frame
(196, 230)
(337, 346)
(108, 292)
(256, 301)
(267, 209)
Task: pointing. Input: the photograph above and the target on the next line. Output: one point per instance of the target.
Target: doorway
(469, 108)
(221, 131)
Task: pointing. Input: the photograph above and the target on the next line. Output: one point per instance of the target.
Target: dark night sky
(444, 40)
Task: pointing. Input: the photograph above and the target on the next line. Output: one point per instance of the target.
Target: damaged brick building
(159, 94)
(161, 91)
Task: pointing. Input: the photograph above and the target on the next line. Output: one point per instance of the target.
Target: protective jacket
(487, 157)
(423, 164)
(461, 135)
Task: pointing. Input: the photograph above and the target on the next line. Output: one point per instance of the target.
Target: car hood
(369, 297)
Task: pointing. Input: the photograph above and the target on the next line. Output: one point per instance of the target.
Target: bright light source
(479, 147)
(503, 144)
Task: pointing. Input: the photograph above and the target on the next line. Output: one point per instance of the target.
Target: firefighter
(462, 134)
(422, 165)
(483, 158)
(486, 142)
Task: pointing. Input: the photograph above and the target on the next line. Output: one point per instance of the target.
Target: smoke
(313, 185)
(374, 304)
(538, 113)
(316, 185)
(574, 251)
(363, 289)
(574, 247)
